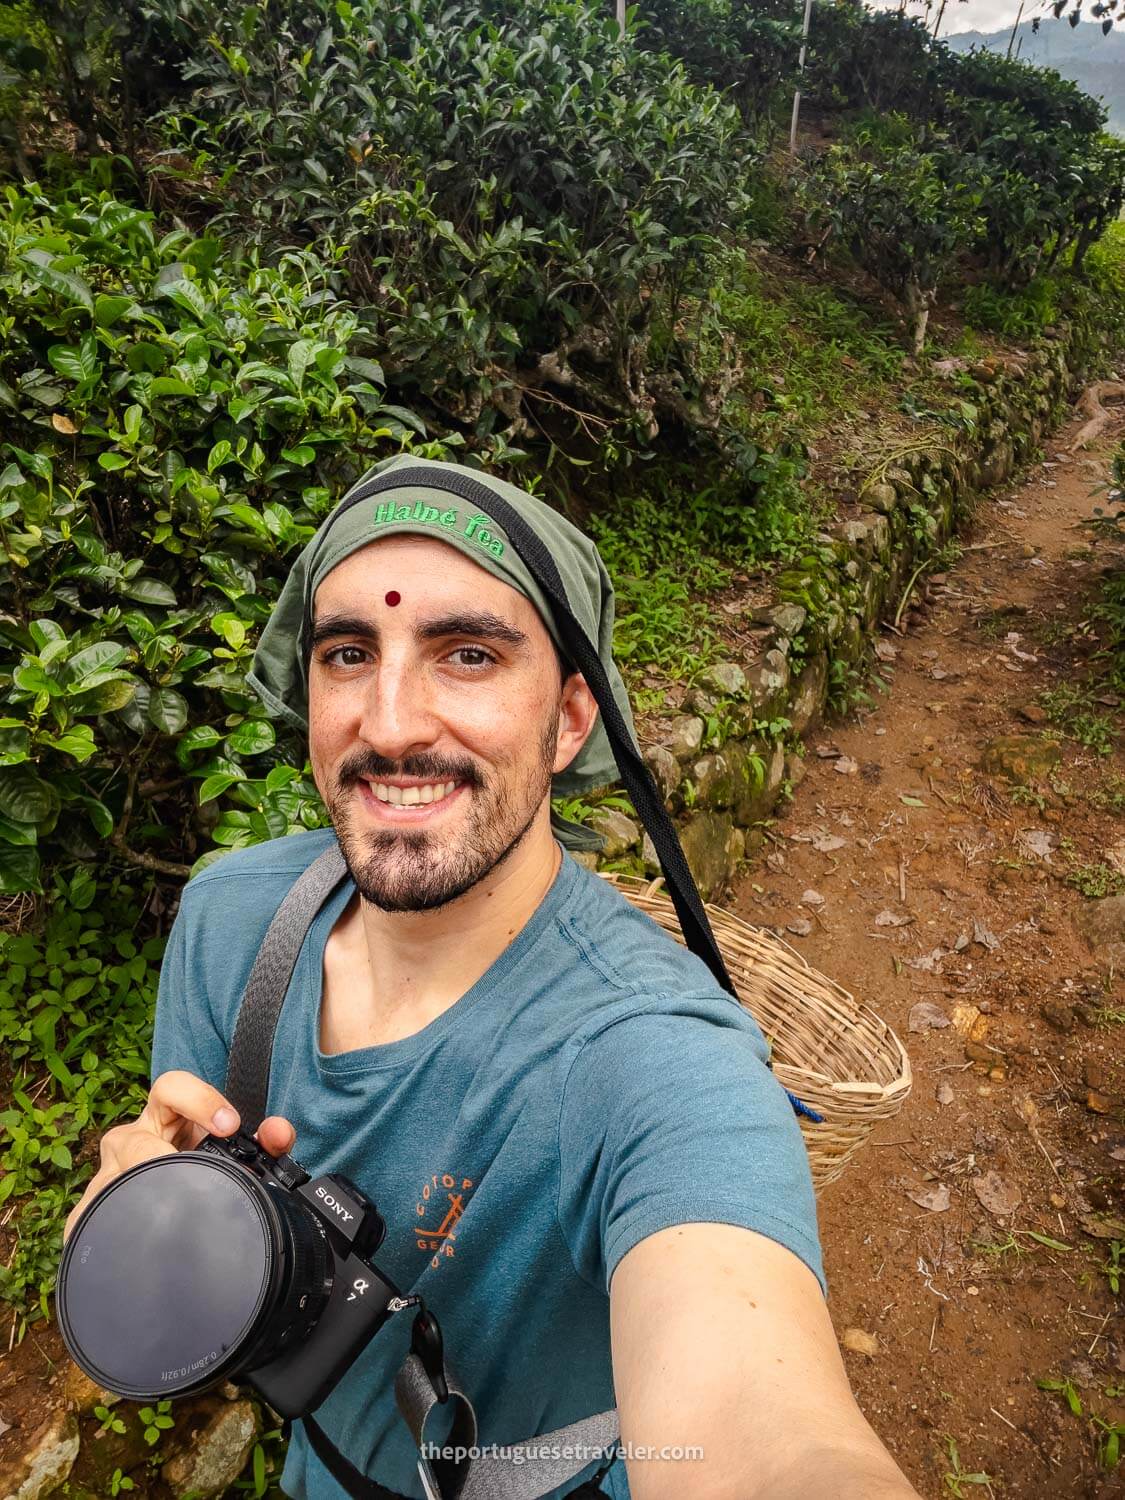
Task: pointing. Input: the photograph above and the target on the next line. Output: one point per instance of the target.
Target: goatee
(416, 870)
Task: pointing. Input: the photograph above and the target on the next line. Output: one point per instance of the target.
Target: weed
(661, 621)
(266, 1462)
(155, 1420)
(842, 369)
(1109, 1443)
(1026, 796)
(956, 1477)
(997, 622)
(582, 809)
(1012, 1245)
(1016, 314)
(1064, 1388)
(1073, 710)
(1109, 796)
(1113, 1267)
(1095, 880)
(997, 1249)
(76, 1006)
(110, 1420)
(120, 1481)
(845, 688)
(1109, 1449)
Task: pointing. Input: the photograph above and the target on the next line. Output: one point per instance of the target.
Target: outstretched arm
(721, 1340)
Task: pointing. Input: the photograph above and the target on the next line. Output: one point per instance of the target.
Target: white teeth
(412, 796)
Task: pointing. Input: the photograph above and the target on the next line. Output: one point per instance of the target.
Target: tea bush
(177, 421)
(906, 217)
(522, 197)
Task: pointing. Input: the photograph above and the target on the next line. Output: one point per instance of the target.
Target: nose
(398, 716)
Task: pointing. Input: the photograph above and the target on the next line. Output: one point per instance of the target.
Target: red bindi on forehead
(394, 597)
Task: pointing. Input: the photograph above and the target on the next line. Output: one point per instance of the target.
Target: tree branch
(149, 861)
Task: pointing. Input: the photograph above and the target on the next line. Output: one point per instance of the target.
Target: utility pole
(800, 71)
(1015, 28)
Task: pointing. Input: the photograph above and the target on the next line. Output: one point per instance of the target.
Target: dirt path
(967, 1309)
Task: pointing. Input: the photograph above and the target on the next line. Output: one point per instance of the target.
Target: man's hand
(180, 1111)
(722, 1341)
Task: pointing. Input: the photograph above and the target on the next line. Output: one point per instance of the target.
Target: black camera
(223, 1263)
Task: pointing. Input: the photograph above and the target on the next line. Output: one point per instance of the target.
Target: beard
(416, 870)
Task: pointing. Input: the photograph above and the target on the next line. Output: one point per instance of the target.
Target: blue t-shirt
(593, 1087)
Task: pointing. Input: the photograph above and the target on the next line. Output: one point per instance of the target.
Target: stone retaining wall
(722, 764)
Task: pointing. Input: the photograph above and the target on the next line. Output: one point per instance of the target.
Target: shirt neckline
(309, 979)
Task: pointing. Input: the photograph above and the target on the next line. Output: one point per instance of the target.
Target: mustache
(366, 764)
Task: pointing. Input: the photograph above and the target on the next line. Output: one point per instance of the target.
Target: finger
(177, 1096)
(129, 1148)
(276, 1135)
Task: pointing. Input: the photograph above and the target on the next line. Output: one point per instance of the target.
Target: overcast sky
(970, 15)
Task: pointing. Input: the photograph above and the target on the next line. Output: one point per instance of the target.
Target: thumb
(276, 1135)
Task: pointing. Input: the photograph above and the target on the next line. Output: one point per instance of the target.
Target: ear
(578, 713)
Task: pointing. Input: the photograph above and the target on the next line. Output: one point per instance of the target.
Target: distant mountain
(1081, 53)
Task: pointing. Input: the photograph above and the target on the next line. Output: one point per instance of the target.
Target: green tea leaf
(187, 296)
(214, 786)
(110, 309)
(167, 709)
(19, 871)
(23, 835)
(78, 364)
(150, 591)
(251, 737)
(24, 797)
(103, 656)
(15, 746)
(72, 289)
(77, 741)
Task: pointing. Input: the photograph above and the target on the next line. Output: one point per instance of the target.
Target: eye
(344, 656)
(474, 657)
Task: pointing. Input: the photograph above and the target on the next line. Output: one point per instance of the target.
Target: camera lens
(186, 1270)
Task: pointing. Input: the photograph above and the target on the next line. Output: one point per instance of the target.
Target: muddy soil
(916, 878)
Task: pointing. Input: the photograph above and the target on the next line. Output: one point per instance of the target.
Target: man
(584, 1163)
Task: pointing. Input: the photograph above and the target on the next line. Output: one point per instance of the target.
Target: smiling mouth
(420, 795)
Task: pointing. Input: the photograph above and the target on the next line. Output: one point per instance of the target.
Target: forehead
(431, 577)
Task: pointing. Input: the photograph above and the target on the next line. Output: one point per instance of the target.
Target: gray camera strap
(424, 1383)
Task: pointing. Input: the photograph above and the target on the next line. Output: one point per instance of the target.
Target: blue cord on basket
(803, 1109)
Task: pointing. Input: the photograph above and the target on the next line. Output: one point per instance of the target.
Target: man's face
(436, 719)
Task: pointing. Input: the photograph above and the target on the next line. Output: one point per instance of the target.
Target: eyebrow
(480, 624)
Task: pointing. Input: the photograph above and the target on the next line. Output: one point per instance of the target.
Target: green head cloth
(278, 671)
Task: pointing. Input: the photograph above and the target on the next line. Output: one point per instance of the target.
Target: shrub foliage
(176, 423)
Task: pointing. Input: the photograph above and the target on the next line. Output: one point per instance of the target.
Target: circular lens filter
(167, 1276)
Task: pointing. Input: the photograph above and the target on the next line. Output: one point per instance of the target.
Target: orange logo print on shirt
(439, 1210)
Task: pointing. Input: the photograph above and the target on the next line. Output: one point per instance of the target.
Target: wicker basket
(834, 1053)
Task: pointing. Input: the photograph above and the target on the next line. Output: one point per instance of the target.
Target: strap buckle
(427, 1343)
